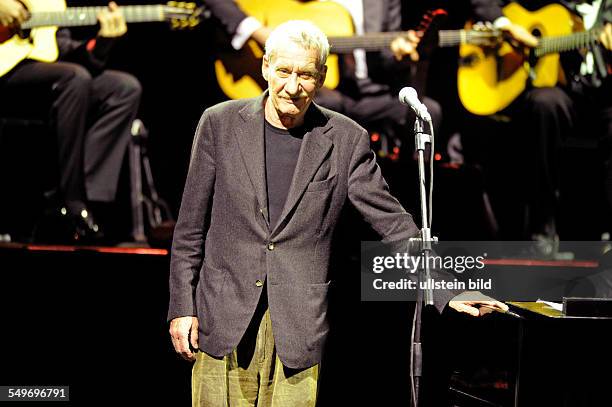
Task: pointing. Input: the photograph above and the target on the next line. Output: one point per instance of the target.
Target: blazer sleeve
(192, 223)
(382, 66)
(370, 195)
(392, 22)
(486, 10)
(94, 59)
(228, 13)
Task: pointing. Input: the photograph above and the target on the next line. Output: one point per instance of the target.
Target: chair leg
(136, 195)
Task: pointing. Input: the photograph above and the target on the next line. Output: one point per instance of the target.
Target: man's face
(293, 79)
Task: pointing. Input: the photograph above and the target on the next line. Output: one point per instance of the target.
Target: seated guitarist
(368, 94)
(550, 115)
(91, 111)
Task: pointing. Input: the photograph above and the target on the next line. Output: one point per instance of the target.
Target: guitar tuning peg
(172, 3)
(174, 24)
(191, 6)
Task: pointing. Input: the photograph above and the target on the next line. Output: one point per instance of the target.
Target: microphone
(408, 96)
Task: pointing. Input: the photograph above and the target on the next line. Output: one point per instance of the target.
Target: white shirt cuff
(244, 31)
(501, 22)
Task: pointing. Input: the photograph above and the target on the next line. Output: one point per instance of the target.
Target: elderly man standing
(250, 271)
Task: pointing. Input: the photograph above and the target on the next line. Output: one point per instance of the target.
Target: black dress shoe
(59, 225)
(86, 229)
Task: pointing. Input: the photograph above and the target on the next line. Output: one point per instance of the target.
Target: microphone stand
(424, 241)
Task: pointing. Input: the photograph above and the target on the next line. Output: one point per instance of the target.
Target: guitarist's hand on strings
(406, 45)
(12, 12)
(112, 22)
(520, 35)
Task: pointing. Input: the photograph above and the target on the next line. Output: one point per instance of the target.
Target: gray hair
(300, 32)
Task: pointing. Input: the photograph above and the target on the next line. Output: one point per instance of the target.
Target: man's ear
(322, 76)
(265, 67)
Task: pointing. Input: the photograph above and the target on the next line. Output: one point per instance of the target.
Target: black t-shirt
(282, 152)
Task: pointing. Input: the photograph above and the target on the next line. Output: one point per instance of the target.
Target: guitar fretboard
(451, 38)
(368, 42)
(81, 16)
(379, 41)
(563, 43)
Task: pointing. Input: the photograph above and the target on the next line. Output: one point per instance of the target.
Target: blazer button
(259, 283)
(270, 246)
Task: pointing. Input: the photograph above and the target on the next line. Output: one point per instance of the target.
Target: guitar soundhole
(469, 60)
(536, 32)
(25, 34)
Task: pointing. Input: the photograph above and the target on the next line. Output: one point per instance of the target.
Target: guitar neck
(452, 38)
(367, 42)
(552, 45)
(83, 16)
(381, 41)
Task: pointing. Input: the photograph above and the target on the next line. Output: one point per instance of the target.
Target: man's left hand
(112, 22)
(478, 308)
(406, 45)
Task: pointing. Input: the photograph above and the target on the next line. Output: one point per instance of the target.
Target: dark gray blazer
(223, 244)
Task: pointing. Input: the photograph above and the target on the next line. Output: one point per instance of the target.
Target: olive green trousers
(252, 375)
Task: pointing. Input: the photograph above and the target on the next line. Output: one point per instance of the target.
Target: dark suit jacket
(487, 10)
(223, 243)
(384, 16)
(71, 50)
(227, 13)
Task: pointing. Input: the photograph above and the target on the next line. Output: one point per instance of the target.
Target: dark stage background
(177, 74)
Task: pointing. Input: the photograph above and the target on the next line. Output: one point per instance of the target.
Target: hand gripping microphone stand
(409, 97)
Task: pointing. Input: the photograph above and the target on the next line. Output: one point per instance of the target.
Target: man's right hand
(184, 331)
(12, 12)
(261, 35)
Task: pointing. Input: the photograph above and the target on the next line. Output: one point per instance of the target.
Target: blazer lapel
(250, 139)
(315, 147)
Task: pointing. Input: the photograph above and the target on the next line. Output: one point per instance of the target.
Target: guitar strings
(88, 15)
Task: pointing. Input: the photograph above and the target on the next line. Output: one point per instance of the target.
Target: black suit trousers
(91, 117)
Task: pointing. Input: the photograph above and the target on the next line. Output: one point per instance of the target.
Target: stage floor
(94, 318)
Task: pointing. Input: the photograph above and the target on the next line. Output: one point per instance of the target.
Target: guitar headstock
(183, 15)
(484, 35)
(432, 20)
(428, 28)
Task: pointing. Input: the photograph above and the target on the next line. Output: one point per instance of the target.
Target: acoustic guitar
(490, 78)
(35, 38)
(239, 72)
